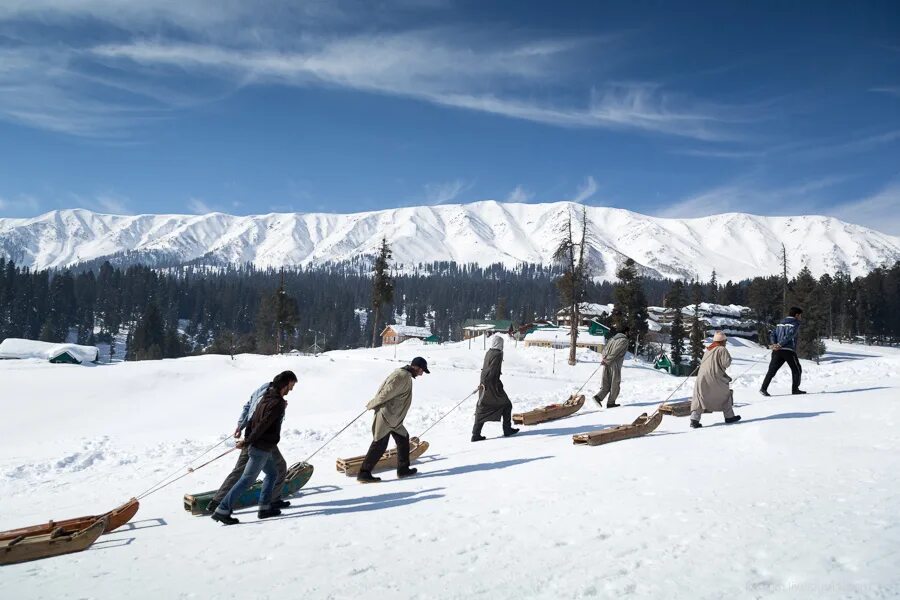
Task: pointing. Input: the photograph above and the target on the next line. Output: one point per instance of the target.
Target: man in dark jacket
(493, 402)
(241, 464)
(262, 443)
(783, 340)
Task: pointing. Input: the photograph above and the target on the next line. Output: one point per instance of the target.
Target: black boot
(510, 431)
(798, 391)
(406, 472)
(367, 477)
(268, 513)
(280, 504)
(764, 392)
(611, 404)
(224, 519)
(598, 400)
(733, 419)
(212, 506)
(695, 424)
(478, 437)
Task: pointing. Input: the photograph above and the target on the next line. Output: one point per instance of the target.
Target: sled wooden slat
(25, 548)
(351, 466)
(641, 426)
(551, 412)
(676, 409)
(114, 519)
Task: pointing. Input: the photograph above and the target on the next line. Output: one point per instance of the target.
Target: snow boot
(367, 477)
(224, 519)
(478, 438)
(406, 472)
(212, 506)
(764, 392)
(280, 504)
(696, 424)
(267, 513)
(798, 391)
(509, 432)
(733, 419)
(612, 405)
(598, 400)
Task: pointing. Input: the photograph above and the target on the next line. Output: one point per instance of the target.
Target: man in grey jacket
(238, 470)
(612, 357)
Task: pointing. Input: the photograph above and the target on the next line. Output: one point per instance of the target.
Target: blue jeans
(259, 461)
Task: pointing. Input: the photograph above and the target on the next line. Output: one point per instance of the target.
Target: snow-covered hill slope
(799, 500)
(735, 245)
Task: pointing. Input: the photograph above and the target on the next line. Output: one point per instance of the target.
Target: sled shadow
(145, 524)
(321, 489)
(562, 431)
(480, 467)
(868, 389)
(362, 504)
(105, 544)
(838, 357)
(795, 415)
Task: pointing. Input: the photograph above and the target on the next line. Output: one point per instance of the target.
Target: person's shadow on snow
(501, 464)
(793, 415)
(361, 504)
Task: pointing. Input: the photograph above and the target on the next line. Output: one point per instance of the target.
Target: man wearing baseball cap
(391, 404)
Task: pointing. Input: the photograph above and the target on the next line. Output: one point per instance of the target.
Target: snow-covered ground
(799, 500)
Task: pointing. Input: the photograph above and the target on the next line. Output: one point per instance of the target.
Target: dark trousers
(507, 422)
(238, 470)
(379, 446)
(779, 357)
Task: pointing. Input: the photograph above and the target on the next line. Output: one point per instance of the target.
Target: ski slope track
(798, 500)
(737, 246)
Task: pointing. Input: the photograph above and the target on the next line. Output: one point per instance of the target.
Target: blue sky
(665, 108)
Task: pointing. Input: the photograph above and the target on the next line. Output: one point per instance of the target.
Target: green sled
(297, 476)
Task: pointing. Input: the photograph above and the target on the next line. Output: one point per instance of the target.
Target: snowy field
(799, 500)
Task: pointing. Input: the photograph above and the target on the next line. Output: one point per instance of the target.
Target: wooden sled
(297, 476)
(641, 426)
(676, 409)
(351, 466)
(114, 519)
(550, 412)
(24, 548)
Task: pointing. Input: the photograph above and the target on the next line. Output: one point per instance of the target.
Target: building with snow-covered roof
(558, 337)
(17, 348)
(396, 334)
(587, 312)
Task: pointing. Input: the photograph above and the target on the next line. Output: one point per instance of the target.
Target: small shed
(73, 354)
(665, 363)
(432, 339)
(396, 334)
(473, 328)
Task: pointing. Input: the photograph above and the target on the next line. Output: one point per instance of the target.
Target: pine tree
(807, 295)
(698, 333)
(382, 285)
(148, 339)
(630, 305)
(675, 301)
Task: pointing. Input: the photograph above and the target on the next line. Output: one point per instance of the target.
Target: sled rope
(189, 471)
(337, 434)
(449, 411)
(187, 466)
(747, 370)
(575, 395)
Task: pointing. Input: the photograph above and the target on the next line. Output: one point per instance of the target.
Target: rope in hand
(189, 471)
(600, 366)
(337, 434)
(187, 466)
(449, 411)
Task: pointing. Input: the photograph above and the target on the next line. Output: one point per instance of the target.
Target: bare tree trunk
(375, 324)
(573, 332)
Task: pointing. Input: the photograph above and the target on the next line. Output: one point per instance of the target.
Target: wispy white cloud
(440, 193)
(20, 204)
(586, 190)
(200, 207)
(880, 211)
(113, 203)
(519, 194)
(893, 90)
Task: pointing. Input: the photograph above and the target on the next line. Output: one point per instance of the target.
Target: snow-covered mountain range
(735, 245)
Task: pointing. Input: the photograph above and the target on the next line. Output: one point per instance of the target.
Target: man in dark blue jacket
(783, 341)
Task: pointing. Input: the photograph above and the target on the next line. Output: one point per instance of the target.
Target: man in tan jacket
(612, 358)
(712, 390)
(391, 404)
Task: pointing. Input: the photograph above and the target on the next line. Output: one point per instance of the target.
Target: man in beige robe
(712, 391)
(612, 358)
(391, 404)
